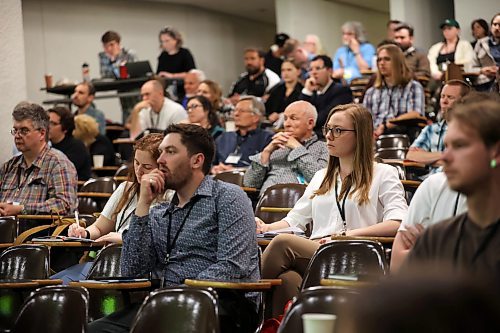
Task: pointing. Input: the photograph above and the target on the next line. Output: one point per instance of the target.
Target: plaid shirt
(111, 69)
(431, 138)
(389, 102)
(48, 184)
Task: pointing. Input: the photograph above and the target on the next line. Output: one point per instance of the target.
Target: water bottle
(85, 72)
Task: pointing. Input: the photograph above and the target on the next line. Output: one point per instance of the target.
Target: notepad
(289, 230)
(115, 280)
(62, 239)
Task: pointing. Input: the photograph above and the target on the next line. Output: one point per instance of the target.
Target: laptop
(139, 69)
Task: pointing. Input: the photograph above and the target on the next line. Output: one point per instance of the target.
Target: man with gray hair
(355, 55)
(41, 179)
(293, 156)
(235, 148)
(191, 82)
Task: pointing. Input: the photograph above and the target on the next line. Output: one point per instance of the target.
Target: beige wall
(467, 11)
(12, 70)
(61, 35)
(299, 18)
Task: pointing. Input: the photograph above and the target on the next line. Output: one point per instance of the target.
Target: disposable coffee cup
(48, 80)
(98, 161)
(318, 322)
(230, 126)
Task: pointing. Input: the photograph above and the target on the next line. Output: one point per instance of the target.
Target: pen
(76, 221)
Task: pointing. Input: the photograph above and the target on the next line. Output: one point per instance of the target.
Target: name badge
(233, 158)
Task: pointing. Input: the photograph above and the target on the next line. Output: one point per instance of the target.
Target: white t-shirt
(386, 202)
(170, 113)
(123, 217)
(434, 201)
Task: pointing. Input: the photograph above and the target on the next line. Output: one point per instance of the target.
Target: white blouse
(386, 202)
(123, 217)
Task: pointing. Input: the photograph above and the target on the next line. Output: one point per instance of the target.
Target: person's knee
(281, 242)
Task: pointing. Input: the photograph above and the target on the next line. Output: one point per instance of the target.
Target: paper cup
(98, 161)
(318, 322)
(48, 81)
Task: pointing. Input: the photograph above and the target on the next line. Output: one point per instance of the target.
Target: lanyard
(170, 246)
(122, 218)
(483, 244)
(153, 124)
(456, 205)
(342, 209)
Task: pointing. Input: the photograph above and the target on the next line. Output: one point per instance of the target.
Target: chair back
(233, 177)
(101, 185)
(107, 263)
(346, 257)
(180, 310)
(87, 205)
(25, 262)
(391, 153)
(122, 170)
(279, 195)
(393, 141)
(8, 229)
(328, 300)
(55, 309)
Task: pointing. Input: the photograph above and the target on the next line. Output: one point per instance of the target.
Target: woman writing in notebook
(115, 217)
(353, 196)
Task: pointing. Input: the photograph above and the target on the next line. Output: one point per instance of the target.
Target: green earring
(493, 163)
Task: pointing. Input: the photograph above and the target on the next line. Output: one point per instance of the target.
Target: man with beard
(206, 232)
(83, 98)
(257, 80)
(416, 61)
(41, 179)
(468, 242)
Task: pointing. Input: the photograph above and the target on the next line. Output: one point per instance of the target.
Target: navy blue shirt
(232, 142)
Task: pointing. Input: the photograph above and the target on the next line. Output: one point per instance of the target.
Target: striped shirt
(389, 102)
(431, 138)
(49, 184)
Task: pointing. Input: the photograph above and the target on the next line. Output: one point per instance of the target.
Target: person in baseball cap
(449, 23)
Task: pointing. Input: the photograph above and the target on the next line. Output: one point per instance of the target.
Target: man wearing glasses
(41, 179)
(321, 91)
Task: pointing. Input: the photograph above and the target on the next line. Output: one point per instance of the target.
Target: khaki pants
(287, 258)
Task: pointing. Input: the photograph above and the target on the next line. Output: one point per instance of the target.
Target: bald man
(293, 156)
(155, 111)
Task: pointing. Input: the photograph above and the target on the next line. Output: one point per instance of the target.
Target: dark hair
(89, 86)
(149, 143)
(260, 53)
(174, 34)
(405, 26)
(67, 119)
(482, 23)
(34, 112)
(497, 14)
(110, 36)
(213, 120)
(327, 61)
(392, 22)
(197, 140)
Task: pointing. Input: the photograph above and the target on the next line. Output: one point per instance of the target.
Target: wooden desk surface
(247, 286)
(383, 240)
(37, 217)
(71, 244)
(21, 284)
(112, 285)
(5, 245)
(106, 168)
(123, 141)
(405, 163)
(249, 189)
(48, 282)
(275, 209)
(411, 184)
(94, 194)
(345, 283)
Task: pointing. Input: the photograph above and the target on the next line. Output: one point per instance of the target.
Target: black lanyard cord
(342, 209)
(122, 218)
(171, 245)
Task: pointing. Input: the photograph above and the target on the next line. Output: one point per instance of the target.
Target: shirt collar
(38, 160)
(409, 50)
(322, 91)
(204, 190)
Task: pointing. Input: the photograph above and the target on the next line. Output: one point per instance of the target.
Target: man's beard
(252, 70)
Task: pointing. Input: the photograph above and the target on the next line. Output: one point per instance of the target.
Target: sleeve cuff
(307, 92)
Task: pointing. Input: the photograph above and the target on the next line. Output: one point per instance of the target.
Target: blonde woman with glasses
(353, 196)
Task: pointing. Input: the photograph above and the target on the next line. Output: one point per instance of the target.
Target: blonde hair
(86, 129)
(360, 179)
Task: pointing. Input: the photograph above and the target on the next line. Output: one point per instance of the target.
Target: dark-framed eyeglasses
(193, 106)
(335, 131)
(23, 131)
